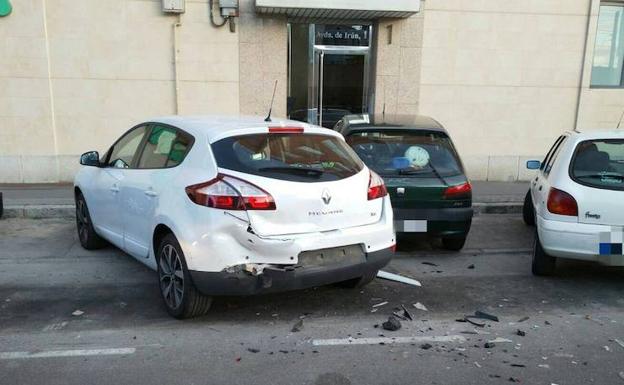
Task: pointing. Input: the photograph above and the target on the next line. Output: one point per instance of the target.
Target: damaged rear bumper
(275, 278)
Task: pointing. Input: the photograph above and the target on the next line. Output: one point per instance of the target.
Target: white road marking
(66, 353)
(388, 340)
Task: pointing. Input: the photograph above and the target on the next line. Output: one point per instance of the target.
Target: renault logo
(326, 196)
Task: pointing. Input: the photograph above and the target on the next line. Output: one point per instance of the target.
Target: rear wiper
(435, 171)
(294, 170)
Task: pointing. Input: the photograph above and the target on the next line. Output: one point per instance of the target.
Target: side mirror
(533, 164)
(91, 158)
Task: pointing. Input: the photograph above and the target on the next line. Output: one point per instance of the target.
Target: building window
(609, 49)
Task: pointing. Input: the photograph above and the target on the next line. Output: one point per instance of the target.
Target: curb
(498, 208)
(40, 211)
(68, 211)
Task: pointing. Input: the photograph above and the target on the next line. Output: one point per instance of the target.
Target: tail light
(561, 203)
(376, 187)
(230, 193)
(461, 191)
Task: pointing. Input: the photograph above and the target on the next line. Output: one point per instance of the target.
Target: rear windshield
(407, 153)
(599, 163)
(294, 157)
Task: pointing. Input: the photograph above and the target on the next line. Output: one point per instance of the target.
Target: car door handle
(151, 193)
(114, 189)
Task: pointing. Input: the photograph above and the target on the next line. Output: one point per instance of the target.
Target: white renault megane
(236, 206)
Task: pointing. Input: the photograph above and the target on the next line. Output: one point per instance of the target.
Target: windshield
(599, 163)
(404, 152)
(294, 157)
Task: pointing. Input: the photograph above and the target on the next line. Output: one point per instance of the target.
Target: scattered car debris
(520, 333)
(608, 349)
(78, 313)
(621, 374)
(477, 364)
(473, 322)
(426, 346)
(499, 340)
(381, 304)
(429, 263)
(392, 324)
(518, 365)
(619, 342)
(471, 266)
(484, 315)
(547, 323)
(512, 379)
(543, 366)
(297, 327)
(399, 315)
(489, 345)
(252, 350)
(397, 278)
(406, 313)
(420, 306)
(523, 319)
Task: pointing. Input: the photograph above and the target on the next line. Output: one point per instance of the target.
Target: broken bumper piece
(249, 280)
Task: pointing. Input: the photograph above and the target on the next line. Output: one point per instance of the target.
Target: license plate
(411, 226)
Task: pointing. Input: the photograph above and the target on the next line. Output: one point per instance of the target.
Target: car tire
(453, 244)
(359, 282)
(543, 264)
(87, 236)
(528, 212)
(181, 298)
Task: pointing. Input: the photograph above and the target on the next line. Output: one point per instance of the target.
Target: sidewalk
(57, 201)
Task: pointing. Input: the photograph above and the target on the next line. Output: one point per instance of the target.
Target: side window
(165, 147)
(125, 149)
(550, 152)
(553, 158)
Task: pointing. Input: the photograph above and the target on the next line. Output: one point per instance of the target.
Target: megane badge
(326, 196)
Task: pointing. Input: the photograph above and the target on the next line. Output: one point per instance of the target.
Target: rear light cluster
(376, 187)
(462, 191)
(561, 203)
(230, 193)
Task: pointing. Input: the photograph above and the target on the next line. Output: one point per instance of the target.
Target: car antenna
(268, 118)
(620, 122)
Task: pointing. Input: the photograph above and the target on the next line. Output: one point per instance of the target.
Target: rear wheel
(359, 282)
(543, 264)
(454, 244)
(86, 233)
(180, 296)
(528, 212)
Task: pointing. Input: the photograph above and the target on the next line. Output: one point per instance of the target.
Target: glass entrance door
(328, 72)
(340, 83)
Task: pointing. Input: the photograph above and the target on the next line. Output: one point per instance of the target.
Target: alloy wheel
(171, 276)
(82, 217)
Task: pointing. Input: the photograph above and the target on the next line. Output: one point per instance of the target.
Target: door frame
(315, 86)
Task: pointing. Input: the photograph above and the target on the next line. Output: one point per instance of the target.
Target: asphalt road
(124, 336)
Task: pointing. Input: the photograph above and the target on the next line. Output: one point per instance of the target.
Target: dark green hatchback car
(423, 173)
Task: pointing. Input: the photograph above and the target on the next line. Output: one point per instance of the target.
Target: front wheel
(528, 212)
(180, 296)
(86, 233)
(454, 244)
(543, 264)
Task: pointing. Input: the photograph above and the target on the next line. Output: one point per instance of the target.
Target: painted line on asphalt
(66, 353)
(388, 340)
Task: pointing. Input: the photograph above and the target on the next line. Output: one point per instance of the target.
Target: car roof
(408, 122)
(597, 134)
(215, 127)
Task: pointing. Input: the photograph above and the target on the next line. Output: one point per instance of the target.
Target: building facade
(504, 77)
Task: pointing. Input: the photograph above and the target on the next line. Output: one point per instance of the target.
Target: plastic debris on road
(78, 313)
(397, 278)
(420, 306)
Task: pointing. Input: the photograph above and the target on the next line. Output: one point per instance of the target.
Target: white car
(577, 200)
(236, 206)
